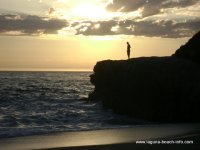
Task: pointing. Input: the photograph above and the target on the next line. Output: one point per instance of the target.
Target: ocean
(34, 103)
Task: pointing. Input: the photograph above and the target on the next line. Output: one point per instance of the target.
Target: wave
(38, 103)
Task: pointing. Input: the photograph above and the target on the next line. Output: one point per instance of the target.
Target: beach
(185, 136)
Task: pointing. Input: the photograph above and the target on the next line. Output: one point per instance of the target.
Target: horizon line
(46, 70)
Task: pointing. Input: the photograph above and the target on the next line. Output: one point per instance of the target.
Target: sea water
(44, 102)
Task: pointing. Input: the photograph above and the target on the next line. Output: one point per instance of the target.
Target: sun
(90, 11)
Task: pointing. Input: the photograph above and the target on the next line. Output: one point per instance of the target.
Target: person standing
(128, 50)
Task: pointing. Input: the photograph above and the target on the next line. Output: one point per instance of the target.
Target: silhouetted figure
(128, 49)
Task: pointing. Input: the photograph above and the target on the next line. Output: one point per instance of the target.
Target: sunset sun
(90, 11)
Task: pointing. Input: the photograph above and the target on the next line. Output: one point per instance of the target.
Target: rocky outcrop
(163, 89)
(191, 50)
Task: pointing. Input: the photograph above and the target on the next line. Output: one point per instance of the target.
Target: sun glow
(90, 11)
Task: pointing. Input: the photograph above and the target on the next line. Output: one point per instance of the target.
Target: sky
(61, 35)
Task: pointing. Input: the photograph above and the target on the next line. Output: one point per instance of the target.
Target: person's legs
(128, 53)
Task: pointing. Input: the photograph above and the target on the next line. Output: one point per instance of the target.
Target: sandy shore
(140, 137)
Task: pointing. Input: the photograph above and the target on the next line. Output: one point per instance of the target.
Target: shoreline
(122, 138)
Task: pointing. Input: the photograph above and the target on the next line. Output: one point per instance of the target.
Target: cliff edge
(164, 89)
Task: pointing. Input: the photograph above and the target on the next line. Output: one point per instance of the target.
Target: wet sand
(169, 135)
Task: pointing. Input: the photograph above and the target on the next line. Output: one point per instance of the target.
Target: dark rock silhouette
(191, 50)
(164, 89)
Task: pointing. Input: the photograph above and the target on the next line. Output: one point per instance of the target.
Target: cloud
(88, 28)
(30, 25)
(36, 25)
(125, 5)
(149, 7)
(162, 28)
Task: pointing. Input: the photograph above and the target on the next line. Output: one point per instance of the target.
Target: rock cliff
(164, 89)
(191, 50)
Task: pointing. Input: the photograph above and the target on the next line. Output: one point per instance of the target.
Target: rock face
(165, 89)
(191, 50)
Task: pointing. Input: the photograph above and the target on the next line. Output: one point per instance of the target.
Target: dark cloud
(164, 28)
(150, 7)
(30, 25)
(125, 5)
(35, 25)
